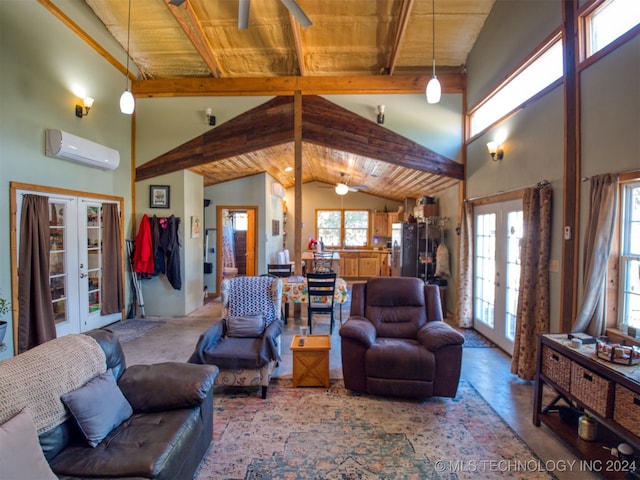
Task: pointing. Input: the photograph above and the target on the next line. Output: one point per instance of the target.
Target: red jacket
(143, 253)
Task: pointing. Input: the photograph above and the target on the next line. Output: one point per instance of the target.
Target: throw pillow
(21, 455)
(98, 407)
(245, 326)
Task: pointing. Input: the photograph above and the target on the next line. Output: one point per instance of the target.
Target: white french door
(498, 233)
(75, 270)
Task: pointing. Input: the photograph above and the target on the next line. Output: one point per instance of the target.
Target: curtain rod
(540, 184)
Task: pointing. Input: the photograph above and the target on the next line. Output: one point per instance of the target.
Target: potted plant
(5, 307)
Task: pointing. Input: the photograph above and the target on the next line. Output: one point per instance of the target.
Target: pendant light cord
(128, 40)
(433, 33)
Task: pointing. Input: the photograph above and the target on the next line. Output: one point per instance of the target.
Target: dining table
(294, 290)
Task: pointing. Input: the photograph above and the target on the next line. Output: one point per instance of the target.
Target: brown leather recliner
(395, 342)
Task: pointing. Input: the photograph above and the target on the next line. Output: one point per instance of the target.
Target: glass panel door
(498, 233)
(75, 263)
(63, 285)
(91, 230)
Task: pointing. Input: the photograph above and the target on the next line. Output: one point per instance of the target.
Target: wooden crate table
(311, 361)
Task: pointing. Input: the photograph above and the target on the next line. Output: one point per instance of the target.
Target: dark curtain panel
(532, 316)
(36, 322)
(112, 298)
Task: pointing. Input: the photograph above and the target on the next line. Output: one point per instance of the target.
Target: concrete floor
(487, 369)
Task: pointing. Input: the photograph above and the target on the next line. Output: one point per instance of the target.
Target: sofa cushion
(400, 359)
(20, 452)
(147, 445)
(98, 407)
(245, 326)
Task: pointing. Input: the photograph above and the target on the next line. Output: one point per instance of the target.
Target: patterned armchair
(245, 343)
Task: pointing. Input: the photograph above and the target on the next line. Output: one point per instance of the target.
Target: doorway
(498, 233)
(76, 258)
(236, 239)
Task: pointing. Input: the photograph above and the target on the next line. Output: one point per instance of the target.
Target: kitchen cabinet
(394, 217)
(368, 264)
(381, 225)
(385, 266)
(349, 264)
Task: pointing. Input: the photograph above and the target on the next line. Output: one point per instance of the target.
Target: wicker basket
(626, 411)
(595, 392)
(556, 367)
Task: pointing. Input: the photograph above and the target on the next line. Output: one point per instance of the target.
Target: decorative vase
(3, 331)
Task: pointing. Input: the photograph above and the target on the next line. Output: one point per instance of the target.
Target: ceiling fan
(292, 6)
(243, 12)
(342, 188)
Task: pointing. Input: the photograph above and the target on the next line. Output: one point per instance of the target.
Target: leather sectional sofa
(168, 429)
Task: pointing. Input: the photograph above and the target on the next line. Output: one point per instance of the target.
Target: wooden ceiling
(200, 38)
(338, 146)
(352, 46)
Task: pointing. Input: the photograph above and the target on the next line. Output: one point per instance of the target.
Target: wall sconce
(211, 120)
(495, 150)
(380, 117)
(83, 110)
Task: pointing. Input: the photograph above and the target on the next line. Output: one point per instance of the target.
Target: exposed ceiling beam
(452, 81)
(330, 125)
(195, 34)
(403, 20)
(74, 27)
(295, 29)
(323, 123)
(263, 126)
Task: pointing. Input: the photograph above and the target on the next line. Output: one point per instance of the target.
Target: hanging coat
(170, 243)
(143, 252)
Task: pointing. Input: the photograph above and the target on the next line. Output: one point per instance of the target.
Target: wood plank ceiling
(261, 140)
(382, 46)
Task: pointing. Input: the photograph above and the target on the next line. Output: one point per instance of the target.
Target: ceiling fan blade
(243, 14)
(297, 12)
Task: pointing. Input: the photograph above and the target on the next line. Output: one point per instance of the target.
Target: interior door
(75, 262)
(251, 242)
(498, 233)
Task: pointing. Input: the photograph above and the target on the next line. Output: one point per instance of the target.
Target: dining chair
(279, 269)
(322, 262)
(320, 291)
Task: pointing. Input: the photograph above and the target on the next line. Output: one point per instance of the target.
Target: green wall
(43, 63)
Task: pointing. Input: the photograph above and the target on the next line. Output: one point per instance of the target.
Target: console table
(609, 392)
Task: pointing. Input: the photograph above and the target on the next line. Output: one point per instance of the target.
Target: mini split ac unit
(59, 144)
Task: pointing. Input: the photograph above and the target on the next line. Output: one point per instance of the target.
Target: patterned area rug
(313, 433)
(127, 330)
(473, 339)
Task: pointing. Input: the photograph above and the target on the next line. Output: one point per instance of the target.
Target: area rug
(473, 339)
(127, 330)
(317, 433)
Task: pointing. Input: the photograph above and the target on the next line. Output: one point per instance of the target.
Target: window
(540, 72)
(609, 21)
(342, 228)
(630, 256)
(356, 228)
(329, 227)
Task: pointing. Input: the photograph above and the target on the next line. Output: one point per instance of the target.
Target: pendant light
(433, 87)
(127, 103)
